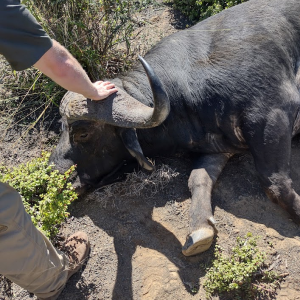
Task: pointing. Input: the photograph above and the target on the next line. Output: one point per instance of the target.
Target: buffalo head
(98, 136)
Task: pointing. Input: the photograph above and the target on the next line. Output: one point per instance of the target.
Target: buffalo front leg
(202, 179)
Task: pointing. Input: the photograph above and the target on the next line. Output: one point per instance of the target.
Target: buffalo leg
(202, 179)
(271, 149)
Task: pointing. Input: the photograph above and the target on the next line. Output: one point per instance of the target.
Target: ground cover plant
(45, 193)
(243, 274)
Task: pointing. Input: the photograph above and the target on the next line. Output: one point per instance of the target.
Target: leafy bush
(243, 275)
(45, 193)
(91, 30)
(197, 10)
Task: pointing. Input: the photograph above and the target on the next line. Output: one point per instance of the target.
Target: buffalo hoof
(198, 241)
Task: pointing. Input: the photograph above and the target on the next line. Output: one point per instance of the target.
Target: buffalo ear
(132, 144)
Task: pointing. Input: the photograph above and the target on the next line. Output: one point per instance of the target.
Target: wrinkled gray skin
(233, 84)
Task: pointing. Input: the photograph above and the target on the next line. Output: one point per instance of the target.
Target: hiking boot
(77, 249)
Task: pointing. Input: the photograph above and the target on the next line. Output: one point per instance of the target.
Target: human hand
(102, 90)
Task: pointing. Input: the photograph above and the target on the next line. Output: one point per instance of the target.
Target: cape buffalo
(227, 84)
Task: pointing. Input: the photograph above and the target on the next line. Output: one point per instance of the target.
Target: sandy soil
(136, 241)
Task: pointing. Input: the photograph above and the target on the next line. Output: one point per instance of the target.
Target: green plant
(243, 274)
(197, 10)
(45, 193)
(96, 32)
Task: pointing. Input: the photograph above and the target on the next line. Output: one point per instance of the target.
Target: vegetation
(197, 10)
(92, 30)
(242, 275)
(45, 193)
(138, 184)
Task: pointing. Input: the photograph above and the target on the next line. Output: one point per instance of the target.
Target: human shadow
(129, 221)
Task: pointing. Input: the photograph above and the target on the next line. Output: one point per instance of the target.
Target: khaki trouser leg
(26, 255)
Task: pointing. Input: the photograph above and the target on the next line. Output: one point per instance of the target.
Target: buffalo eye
(81, 137)
(84, 135)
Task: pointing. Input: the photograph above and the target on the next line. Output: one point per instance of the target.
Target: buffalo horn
(120, 109)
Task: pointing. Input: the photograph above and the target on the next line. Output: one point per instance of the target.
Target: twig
(275, 263)
(263, 288)
(283, 275)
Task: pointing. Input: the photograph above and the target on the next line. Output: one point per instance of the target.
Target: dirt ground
(136, 241)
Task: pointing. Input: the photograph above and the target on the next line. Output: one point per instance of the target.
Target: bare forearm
(64, 69)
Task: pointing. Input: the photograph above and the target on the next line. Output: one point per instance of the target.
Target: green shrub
(197, 10)
(92, 30)
(243, 274)
(45, 193)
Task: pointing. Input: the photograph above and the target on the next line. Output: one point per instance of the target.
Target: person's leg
(26, 256)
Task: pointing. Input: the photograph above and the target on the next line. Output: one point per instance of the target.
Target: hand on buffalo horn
(102, 89)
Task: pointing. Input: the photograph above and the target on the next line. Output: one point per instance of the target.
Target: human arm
(58, 64)
(24, 43)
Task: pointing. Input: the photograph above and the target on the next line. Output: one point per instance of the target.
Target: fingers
(103, 89)
(106, 83)
(109, 86)
(102, 83)
(111, 91)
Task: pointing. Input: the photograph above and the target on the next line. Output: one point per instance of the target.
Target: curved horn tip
(146, 66)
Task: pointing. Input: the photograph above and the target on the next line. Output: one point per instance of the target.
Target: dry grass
(137, 184)
(21, 106)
